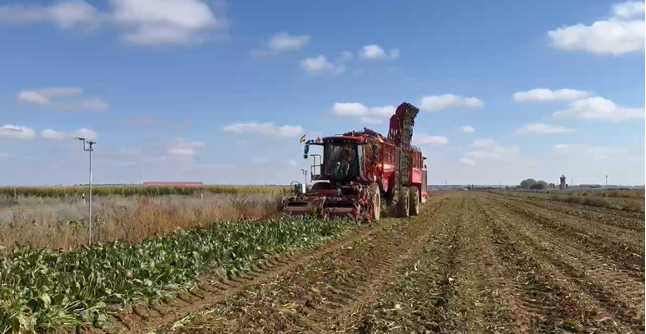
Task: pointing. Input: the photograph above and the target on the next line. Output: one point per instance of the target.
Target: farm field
(471, 262)
(61, 222)
(629, 200)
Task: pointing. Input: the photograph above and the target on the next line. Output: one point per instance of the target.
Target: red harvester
(361, 171)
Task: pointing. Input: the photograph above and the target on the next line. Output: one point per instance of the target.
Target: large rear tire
(376, 202)
(414, 201)
(403, 205)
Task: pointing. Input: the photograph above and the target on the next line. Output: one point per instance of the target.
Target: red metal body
(382, 169)
(377, 164)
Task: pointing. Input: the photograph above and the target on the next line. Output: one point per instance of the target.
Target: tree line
(535, 185)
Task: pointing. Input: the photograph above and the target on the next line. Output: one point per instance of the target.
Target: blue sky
(185, 90)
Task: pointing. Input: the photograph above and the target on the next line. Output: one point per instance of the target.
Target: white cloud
(621, 34)
(490, 149)
(421, 139)
(345, 56)
(43, 98)
(629, 9)
(352, 109)
(166, 22)
(598, 108)
(67, 15)
(264, 129)
(85, 133)
(546, 95)
(468, 129)
(483, 143)
(597, 153)
(182, 147)
(467, 161)
(320, 65)
(9, 131)
(482, 154)
(374, 51)
(374, 115)
(94, 104)
(569, 148)
(439, 102)
(53, 134)
(142, 22)
(33, 97)
(283, 41)
(24, 133)
(543, 129)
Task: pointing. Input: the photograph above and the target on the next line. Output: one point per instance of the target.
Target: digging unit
(362, 171)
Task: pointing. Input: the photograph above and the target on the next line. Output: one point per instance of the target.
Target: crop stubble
(471, 263)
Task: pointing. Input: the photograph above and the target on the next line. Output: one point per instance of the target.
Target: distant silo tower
(562, 183)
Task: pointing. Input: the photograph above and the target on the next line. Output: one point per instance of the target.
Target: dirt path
(470, 263)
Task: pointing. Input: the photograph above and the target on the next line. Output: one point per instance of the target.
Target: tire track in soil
(326, 294)
(451, 286)
(597, 296)
(433, 315)
(635, 224)
(211, 290)
(627, 252)
(539, 304)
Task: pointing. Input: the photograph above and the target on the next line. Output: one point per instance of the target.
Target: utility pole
(606, 185)
(87, 147)
(304, 175)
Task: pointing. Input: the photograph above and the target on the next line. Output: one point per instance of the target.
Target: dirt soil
(470, 263)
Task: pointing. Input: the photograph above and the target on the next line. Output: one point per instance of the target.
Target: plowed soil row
(507, 275)
(633, 221)
(569, 287)
(470, 263)
(624, 247)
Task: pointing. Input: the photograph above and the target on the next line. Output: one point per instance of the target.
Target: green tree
(527, 184)
(539, 185)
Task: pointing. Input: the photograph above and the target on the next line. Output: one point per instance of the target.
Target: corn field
(134, 190)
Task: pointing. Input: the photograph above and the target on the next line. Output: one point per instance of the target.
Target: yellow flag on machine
(303, 139)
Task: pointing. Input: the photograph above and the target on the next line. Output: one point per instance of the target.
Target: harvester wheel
(376, 202)
(403, 205)
(414, 201)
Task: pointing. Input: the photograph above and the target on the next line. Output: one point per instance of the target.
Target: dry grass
(62, 223)
(134, 190)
